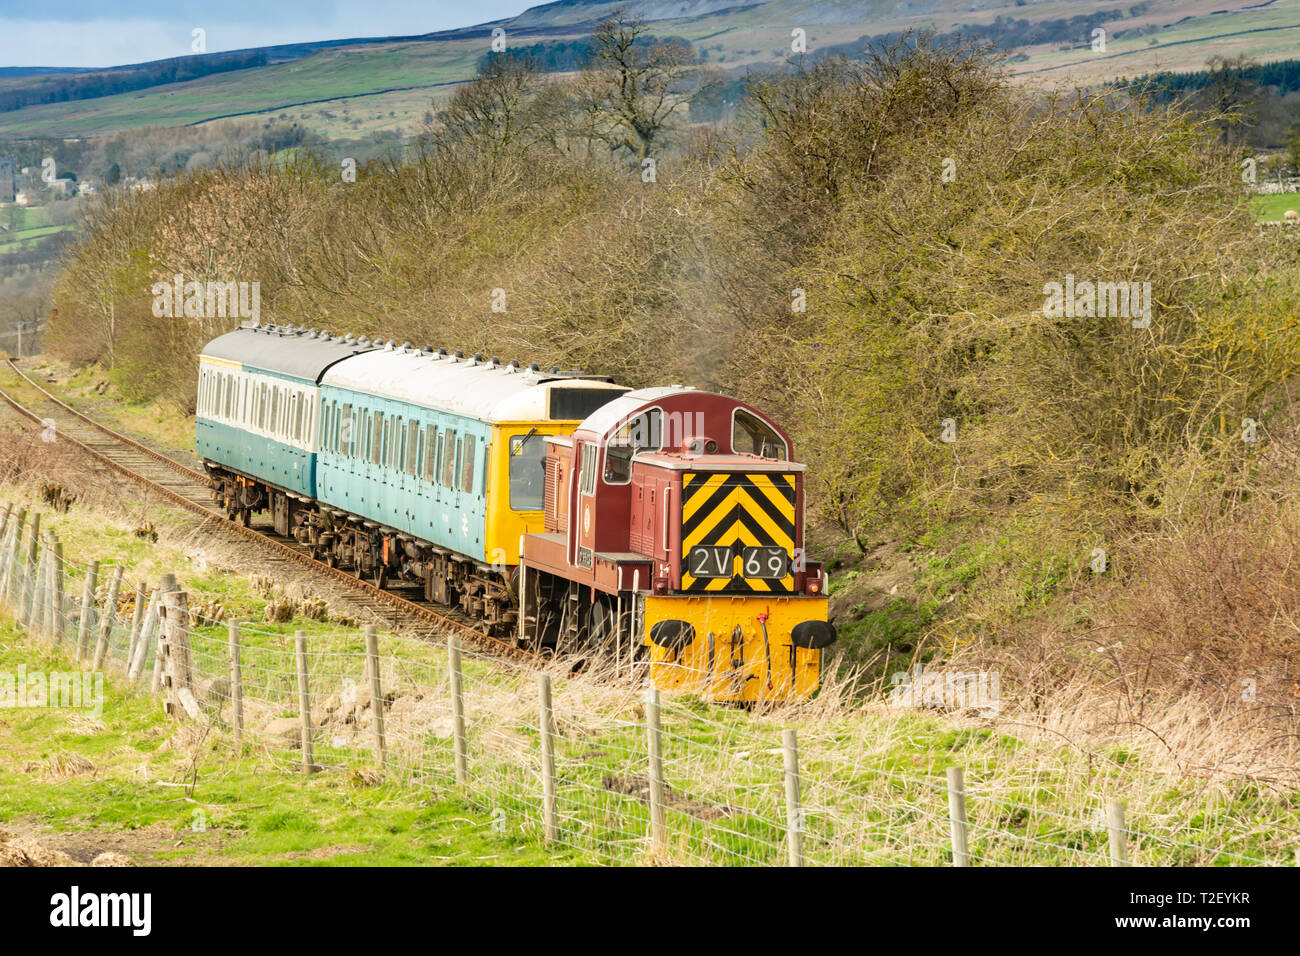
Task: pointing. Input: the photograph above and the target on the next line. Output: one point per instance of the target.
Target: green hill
(388, 83)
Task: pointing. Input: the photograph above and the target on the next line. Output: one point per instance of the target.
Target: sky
(113, 32)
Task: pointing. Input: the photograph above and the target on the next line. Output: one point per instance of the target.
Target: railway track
(189, 489)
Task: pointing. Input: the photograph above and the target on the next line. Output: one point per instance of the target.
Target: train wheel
(600, 626)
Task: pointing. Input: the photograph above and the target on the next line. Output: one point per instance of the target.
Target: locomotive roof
(610, 416)
(284, 351)
(483, 390)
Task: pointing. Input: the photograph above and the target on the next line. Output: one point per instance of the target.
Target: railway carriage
(440, 456)
(256, 419)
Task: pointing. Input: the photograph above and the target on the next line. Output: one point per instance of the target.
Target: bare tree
(494, 111)
(632, 87)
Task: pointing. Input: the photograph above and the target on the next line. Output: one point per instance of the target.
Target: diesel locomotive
(662, 525)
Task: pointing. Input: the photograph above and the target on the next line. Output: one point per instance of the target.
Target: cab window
(642, 433)
(750, 435)
(527, 472)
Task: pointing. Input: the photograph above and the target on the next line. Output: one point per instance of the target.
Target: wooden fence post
(29, 585)
(957, 816)
(46, 611)
(550, 818)
(12, 546)
(793, 810)
(1118, 833)
(137, 624)
(59, 625)
(236, 683)
(148, 632)
(458, 711)
(6, 566)
(4, 521)
(109, 618)
(304, 699)
(31, 592)
(174, 651)
(14, 581)
(654, 738)
(376, 691)
(87, 610)
(40, 598)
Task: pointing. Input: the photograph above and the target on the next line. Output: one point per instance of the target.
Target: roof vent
(427, 348)
(324, 333)
(534, 367)
(458, 354)
(406, 345)
(495, 360)
(441, 350)
(363, 341)
(350, 339)
(555, 370)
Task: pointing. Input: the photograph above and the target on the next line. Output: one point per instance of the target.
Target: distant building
(62, 187)
(8, 179)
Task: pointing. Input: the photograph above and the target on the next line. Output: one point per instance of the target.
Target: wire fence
(602, 771)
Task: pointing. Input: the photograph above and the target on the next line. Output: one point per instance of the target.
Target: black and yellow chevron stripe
(734, 511)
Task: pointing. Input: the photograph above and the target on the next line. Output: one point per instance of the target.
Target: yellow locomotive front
(741, 615)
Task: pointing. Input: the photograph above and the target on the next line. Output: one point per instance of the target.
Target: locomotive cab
(686, 509)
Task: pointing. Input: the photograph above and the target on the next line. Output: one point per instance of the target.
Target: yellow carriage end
(737, 649)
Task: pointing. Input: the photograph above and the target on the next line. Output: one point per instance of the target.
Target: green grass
(242, 809)
(1272, 208)
(16, 240)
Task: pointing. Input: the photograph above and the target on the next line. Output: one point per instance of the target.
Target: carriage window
(376, 437)
(430, 456)
(449, 460)
(412, 446)
(386, 456)
(419, 461)
(467, 465)
(527, 472)
(297, 416)
(437, 468)
(753, 436)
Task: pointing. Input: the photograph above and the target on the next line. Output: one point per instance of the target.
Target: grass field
(1272, 208)
(131, 791)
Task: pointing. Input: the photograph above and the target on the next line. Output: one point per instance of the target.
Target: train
(663, 527)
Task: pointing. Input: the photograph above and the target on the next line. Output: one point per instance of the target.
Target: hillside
(387, 83)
